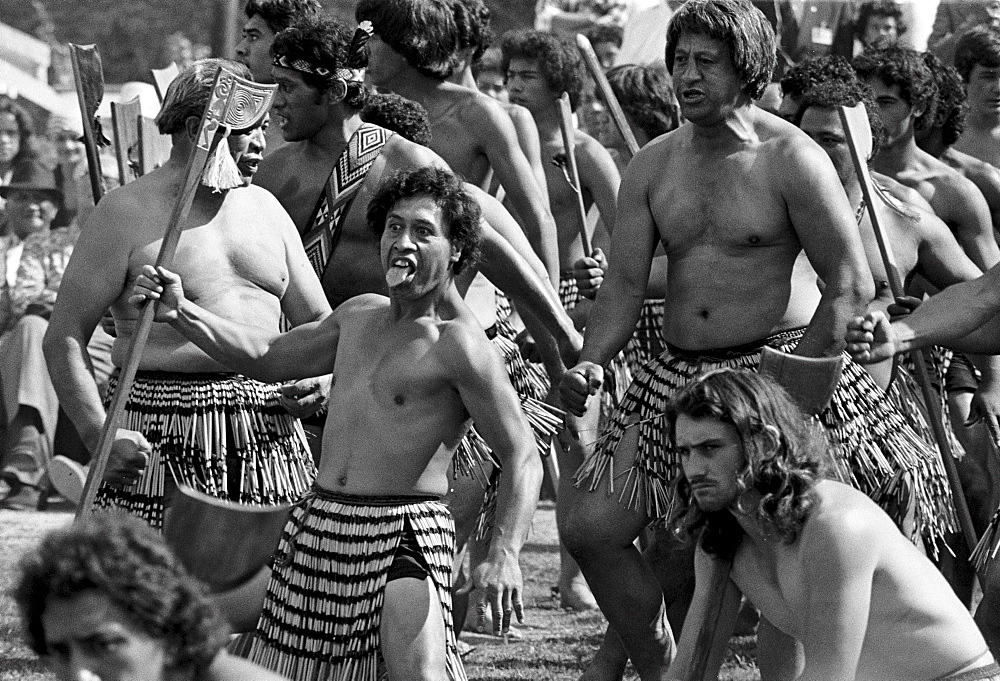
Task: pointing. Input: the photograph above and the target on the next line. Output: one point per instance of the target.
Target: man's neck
(464, 78)
(414, 85)
(933, 143)
(757, 531)
(899, 157)
(547, 122)
(428, 305)
(736, 126)
(333, 137)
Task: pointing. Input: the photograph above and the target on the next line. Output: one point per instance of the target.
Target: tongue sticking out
(396, 276)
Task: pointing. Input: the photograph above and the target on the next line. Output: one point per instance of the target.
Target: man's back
(849, 565)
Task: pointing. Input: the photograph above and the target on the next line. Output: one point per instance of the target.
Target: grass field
(556, 645)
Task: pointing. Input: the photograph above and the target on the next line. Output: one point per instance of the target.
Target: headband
(303, 66)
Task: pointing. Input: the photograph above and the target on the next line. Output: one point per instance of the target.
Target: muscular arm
(825, 225)
(531, 145)
(479, 376)
(304, 300)
(972, 222)
(93, 280)
(618, 303)
(939, 258)
(839, 566)
(499, 143)
(599, 176)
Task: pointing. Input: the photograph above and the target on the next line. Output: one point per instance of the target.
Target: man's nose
(404, 240)
(241, 48)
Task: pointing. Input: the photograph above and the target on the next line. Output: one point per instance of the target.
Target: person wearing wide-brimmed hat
(34, 257)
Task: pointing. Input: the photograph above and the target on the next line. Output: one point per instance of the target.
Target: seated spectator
(34, 257)
(17, 153)
(71, 172)
(105, 599)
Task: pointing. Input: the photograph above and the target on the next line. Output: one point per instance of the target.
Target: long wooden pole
(605, 92)
(856, 127)
(235, 103)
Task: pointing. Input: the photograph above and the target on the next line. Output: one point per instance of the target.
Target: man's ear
(336, 92)
(191, 125)
(456, 253)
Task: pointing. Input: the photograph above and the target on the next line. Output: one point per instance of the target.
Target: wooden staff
(569, 143)
(235, 104)
(162, 78)
(125, 122)
(88, 74)
(858, 130)
(606, 94)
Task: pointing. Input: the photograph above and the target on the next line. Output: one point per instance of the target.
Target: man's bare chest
(772, 581)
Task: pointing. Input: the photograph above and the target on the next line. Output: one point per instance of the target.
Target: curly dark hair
(813, 71)
(459, 209)
(977, 46)
(834, 93)
(399, 114)
(645, 94)
(878, 8)
(741, 26)
(783, 452)
(473, 20)
(25, 128)
(324, 41)
(558, 61)
(189, 92)
(424, 32)
(905, 69)
(126, 560)
(280, 14)
(605, 33)
(952, 107)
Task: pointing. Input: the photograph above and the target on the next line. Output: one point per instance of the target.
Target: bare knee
(413, 631)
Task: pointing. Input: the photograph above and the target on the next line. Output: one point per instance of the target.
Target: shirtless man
(977, 58)
(242, 258)
(410, 370)
(820, 560)
(415, 50)
(265, 19)
(739, 193)
(904, 90)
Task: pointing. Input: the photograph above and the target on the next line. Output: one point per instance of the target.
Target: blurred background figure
(878, 21)
(606, 39)
(18, 157)
(70, 172)
(955, 17)
(490, 78)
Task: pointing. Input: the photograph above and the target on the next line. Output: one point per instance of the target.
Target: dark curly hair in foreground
(905, 69)
(459, 209)
(126, 560)
(813, 71)
(834, 93)
(782, 451)
(324, 41)
(400, 115)
(737, 23)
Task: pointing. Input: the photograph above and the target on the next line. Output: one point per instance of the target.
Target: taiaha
(573, 174)
(162, 78)
(235, 104)
(857, 131)
(605, 92)
(88, 74)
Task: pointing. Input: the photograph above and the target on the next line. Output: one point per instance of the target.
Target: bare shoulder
(591, 147)
(520, 115)
(123, 211)
(792, 150)
(463, 344)
(900, 192)
(362, 303)
(843, 518)
(480, 111)
(401, 154)
(650, 161)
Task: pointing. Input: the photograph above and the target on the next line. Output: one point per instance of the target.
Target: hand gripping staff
(858, 134)
(235, 104)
